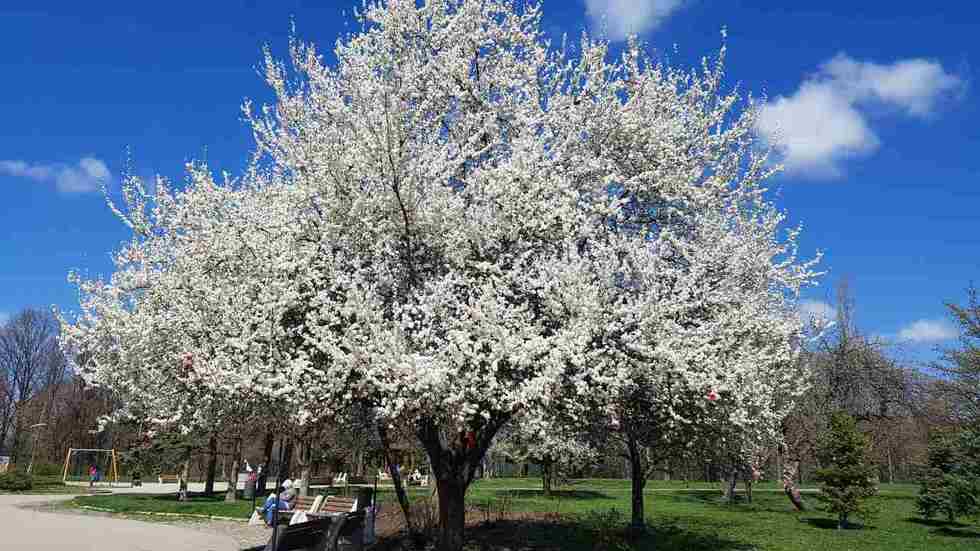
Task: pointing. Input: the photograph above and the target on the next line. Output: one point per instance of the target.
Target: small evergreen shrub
(848, 477)
(950, 486)
(16, 482)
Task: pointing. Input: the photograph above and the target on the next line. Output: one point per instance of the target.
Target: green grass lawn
(683, 517)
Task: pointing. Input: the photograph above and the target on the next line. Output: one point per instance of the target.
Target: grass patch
(681, 516)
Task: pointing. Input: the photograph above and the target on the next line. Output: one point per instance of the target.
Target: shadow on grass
(740, 505)
(946, 528)
(831, 524)
(936, 523)
(563, 494)
(573, 535)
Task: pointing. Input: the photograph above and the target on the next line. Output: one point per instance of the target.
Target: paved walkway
(26, 529)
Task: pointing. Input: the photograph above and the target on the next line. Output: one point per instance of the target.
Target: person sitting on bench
(283, 501)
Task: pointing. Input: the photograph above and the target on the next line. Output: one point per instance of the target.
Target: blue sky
(872, 99)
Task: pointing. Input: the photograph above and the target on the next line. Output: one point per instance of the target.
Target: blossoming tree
(456, 225)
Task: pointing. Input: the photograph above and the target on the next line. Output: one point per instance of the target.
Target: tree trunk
(396, 479)
(305, 460)
(266, 463)
(452, 513)
(231, 494)
(454, 462)
(16, 430)
(891, 467)
(212, 466)
(359, 463)
(546, 475)
(287, 461)
(732, 486)
(185, 473)
(638, 482)
(4, 424)
(790, 487)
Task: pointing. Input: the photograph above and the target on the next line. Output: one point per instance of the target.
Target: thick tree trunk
(231, 494)
(790, 487)
(396, 479)
(638, 481)
(212, 466)
(185, 473)
(452, 513)
(546, 475)
(454, 462)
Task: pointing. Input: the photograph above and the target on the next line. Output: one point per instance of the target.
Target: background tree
(30, 360)
(847, 476)
(961, 366)
(559, 449)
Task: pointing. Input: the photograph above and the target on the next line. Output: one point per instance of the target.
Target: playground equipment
(78, 461)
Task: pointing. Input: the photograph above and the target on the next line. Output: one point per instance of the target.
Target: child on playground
(93, 475)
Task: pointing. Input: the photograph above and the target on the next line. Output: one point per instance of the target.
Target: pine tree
(848, 477)
(951, 485)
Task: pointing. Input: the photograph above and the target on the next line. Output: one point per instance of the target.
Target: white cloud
(825, 121)
(815, 310)
(621, 18)
(928, 331)
(85, 176)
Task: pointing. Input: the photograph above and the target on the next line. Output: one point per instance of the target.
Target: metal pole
(30, 465)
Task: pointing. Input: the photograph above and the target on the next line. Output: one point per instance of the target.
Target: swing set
(79, 461)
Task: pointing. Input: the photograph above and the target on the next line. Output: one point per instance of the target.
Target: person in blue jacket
(283, 501)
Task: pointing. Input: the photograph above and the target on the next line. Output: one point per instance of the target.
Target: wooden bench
(318, 534)
(336, 504)
(329, 505)
(302, 503)
(169, 478)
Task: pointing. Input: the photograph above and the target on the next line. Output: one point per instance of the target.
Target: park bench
(169, 478)
(319, 534)
(421, 481)
(336, 504)
(328, 505)
(307, 504)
